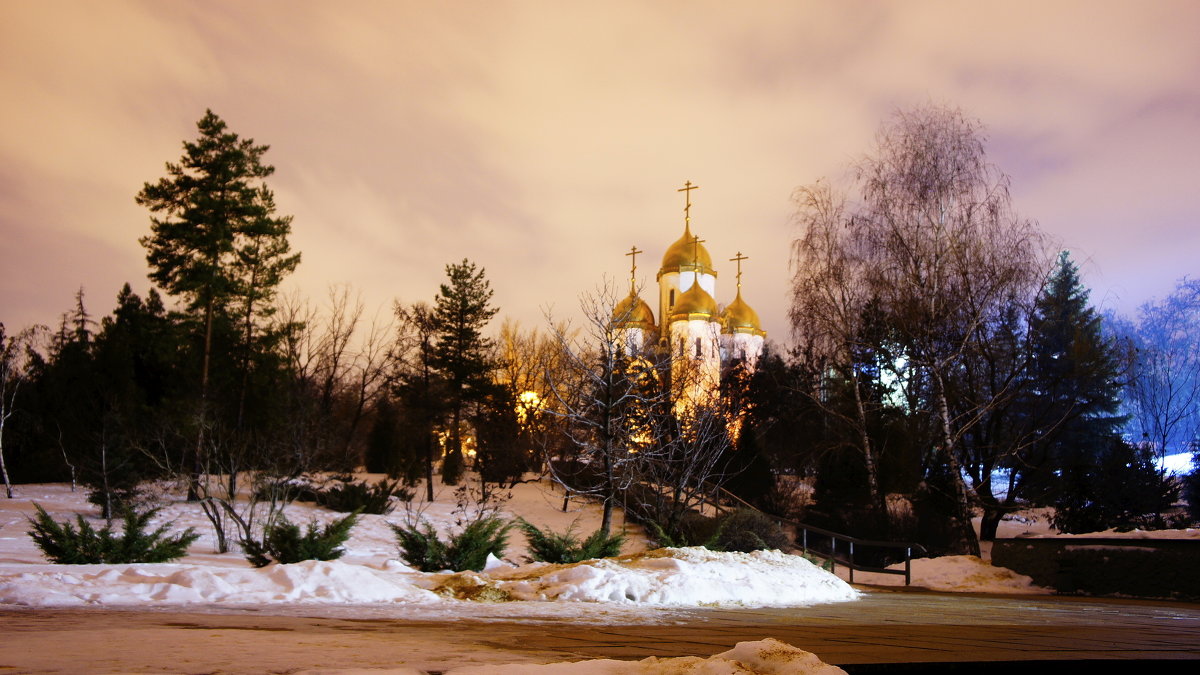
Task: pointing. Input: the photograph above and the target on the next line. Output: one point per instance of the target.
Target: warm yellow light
(527, 403)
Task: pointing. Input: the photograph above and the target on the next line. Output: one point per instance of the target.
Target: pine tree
(461, 355)
(215, 238)
(1074, 384)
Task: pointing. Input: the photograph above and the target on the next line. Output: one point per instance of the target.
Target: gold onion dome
(633, 312)
(685, 255)
(696, 303)
(739, 317)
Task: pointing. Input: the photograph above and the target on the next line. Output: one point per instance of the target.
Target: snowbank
(682, 577)
(764, 657)
(171, 584)
(968, 573)
(675, 577)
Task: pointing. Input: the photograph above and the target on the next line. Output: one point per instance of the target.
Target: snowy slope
(371, 574)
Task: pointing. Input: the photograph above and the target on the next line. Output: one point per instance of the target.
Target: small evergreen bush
(421, 547)
(1191, 489)
(692, 529)
(283, 543)
(363, 497)
(743, 530)
(565, 548)
(62, 543)
(286, 491)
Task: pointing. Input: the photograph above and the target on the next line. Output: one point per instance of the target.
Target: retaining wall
(1149, 568)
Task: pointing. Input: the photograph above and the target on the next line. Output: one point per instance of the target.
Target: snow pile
(763, 657)
(675, 577)
(171, 584)
(681, 577)
(968, 573)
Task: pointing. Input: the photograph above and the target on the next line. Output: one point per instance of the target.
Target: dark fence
(1148, 568)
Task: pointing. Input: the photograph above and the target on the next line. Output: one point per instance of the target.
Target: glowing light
(528, 403)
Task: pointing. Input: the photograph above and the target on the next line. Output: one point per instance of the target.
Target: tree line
(945, 363)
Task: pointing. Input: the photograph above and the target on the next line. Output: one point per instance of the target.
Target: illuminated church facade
(701, 338)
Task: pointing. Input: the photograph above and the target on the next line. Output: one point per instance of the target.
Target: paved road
(882, 628)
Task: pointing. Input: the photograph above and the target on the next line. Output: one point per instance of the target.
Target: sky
(541, 140)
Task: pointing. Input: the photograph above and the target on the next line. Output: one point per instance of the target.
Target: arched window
(671, 303)
(699, 353)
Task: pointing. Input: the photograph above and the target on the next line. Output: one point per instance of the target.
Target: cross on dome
(633, 253)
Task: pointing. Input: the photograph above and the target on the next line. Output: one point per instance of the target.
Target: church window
(671, 303)
(698, 348)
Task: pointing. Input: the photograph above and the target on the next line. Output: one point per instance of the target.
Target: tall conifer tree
(462, 355)
(1075, 388)
(215, 238)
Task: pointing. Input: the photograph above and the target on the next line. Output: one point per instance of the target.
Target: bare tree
(417, 380)
(684, 448)
(602, 398)
(16, 353)
(938, 251)
(830, 297)
(339, 367)
(1164, 390)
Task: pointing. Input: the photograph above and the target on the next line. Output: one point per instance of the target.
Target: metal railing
(835, 556)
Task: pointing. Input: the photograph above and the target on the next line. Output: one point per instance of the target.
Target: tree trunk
(990, 523)
(428, 463)
(968, 542)
(202, 415)
(868, 454)
(3, 466)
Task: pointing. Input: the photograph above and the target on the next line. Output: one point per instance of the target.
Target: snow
(765, 657)
(371, 574)
(370, 580)
(761, 657)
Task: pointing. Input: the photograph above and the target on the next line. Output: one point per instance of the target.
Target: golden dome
(686, 256)
(633, 312)
(739, 317)
(696, 303)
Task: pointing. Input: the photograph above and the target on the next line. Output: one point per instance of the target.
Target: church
(702, 338)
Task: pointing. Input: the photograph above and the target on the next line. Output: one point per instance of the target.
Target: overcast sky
(542, 139)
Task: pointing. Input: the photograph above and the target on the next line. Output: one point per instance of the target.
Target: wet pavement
(879, 633)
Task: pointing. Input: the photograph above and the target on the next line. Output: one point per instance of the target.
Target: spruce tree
(1074, 385)
(461, 354)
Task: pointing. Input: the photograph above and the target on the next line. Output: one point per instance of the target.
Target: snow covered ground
(370, 572)
(371, 581)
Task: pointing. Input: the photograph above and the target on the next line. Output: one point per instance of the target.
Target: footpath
(886, 631)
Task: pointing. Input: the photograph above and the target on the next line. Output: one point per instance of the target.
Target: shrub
(742, 530)
(745, 530)
(64, 544)
(283, 543)
(1122, 490)
(467, 550)
(286, 490)
(1191, 489)
(692, 529)
(363, 497)
(553, 547)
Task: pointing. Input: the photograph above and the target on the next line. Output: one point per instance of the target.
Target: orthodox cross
(739, 258)
(696, 241)
(633, 253)
(687, 193)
